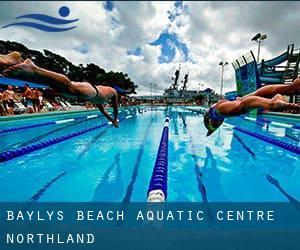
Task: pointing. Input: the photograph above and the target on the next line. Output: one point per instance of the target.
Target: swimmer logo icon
(38, 21)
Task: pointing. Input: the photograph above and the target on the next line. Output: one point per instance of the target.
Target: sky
(148, 40)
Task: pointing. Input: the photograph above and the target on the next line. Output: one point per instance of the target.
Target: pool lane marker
(40, 137)
(93, 116)
(250, 119)
(199, 172)
(287, 146)
(257, 121)
(39, 193)
(65, 121)
(58, 122)
(136, 167)
(158, 186)
(92, 141)
(11, 154)
(105, 178)
(244, 145)
(262, 121)
(197, 167)
(201, 111)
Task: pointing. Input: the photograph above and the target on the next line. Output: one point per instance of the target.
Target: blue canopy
(18, 83)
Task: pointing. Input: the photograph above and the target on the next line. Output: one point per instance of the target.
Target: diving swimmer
(267, 97)
(96, 94)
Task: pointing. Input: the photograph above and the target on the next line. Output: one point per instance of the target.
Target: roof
(18, 83)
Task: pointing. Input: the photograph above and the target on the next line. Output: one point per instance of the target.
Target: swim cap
(211, 124)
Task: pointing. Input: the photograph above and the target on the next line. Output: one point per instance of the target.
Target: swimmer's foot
(27, 66)
(10, 59)
(278, 104)
(296, 85)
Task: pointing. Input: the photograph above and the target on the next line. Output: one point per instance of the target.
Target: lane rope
(58, 122)
(287, 146)
(11, 154)
(158, 186)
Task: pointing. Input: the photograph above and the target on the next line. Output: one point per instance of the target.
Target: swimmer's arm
(104, 112)
(115, 105)
(25, 93)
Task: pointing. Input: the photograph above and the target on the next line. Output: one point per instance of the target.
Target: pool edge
(46, 114)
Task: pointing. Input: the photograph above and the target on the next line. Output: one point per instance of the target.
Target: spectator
(27, 95)
(41, 100)
(3, 110)
(9, 98)
(35, 100)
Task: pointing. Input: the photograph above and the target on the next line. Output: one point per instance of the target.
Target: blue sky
(83, 48)
(168, 41)
(108, 5)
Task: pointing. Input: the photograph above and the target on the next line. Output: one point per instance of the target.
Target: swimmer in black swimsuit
(97, 94)
(268, 97)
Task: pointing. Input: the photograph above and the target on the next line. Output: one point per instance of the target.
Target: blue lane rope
(42, 136)
(11, 154)
(287, 146)
(58, 122)
(157, 191)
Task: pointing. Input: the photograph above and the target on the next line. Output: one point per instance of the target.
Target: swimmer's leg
(247, 103)
(282, 89)
(63, 81)
(11, 58)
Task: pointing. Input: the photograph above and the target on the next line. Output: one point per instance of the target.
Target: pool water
(110, 164)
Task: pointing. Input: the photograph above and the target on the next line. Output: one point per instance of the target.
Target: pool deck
(45, 114)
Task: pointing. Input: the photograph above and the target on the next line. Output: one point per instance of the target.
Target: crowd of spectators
(32, 100)
(25, 100)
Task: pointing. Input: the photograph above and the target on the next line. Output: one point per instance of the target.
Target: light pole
(155, 85)
(222, 64)
(151, 90)
(259, 38)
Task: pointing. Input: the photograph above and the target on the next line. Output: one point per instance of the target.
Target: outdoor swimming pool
(109, 164)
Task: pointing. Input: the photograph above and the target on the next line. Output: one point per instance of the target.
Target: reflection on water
(110, 187)
(212, 178)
